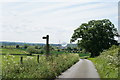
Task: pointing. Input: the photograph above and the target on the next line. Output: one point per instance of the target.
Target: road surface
(82, 69)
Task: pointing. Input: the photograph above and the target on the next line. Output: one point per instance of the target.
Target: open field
(23, 53)
(14, 54)
(13, 51)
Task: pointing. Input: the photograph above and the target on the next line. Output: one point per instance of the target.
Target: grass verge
(107, 63)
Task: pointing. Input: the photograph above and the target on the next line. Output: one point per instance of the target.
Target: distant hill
(41, 44)
(22, 43)
(71, 45)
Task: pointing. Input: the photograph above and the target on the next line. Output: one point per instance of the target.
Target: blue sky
(30, 20)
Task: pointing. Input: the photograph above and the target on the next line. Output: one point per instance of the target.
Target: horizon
(28, 21)
(34, 42)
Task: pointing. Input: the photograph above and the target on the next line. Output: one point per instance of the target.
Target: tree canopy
(95, 36)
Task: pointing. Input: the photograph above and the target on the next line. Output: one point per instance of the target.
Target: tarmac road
(82, 69)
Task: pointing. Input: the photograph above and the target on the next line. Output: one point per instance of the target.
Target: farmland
(48, 67)
(53, 65)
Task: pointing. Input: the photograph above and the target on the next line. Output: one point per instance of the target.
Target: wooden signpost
(47, 45)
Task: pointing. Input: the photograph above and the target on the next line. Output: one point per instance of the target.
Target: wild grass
(107, 63)
(47, 67)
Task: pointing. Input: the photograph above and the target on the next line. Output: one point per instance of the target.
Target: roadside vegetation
(48, 66)
(107, 63)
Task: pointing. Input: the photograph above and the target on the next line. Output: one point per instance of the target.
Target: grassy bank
(46, 68)
(107, 63)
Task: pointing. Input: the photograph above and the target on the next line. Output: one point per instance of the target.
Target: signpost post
(47, 44)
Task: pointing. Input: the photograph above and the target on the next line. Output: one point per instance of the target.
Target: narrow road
(82, 69)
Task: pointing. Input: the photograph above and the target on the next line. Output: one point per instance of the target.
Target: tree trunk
(92, 55)
(97, 54)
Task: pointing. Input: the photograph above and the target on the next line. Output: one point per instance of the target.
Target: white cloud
(29, 24)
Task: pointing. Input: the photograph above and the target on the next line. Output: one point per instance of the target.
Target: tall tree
(95, 36)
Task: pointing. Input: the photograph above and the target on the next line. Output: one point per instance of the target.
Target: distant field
(84, 54)
(12, 51)
(17, 53)
(14, 54)
(56, 52)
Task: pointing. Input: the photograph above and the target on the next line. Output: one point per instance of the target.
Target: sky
(30, 20)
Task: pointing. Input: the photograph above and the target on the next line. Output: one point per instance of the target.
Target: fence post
(57, 55)
(21, 60)
(38, 58)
